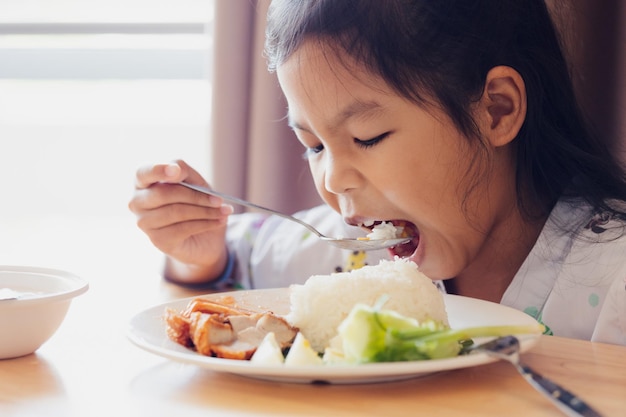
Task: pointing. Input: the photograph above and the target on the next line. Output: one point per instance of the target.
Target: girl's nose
(340, 174)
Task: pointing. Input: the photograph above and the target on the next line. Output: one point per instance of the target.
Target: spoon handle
(565, 400)
(245, 203)
(507, 348)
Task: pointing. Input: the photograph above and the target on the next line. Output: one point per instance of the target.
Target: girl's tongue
(406, 249)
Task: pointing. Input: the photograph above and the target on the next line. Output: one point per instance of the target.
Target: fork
(354, 244)
(507, 348)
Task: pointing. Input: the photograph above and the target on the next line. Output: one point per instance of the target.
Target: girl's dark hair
(442, 50)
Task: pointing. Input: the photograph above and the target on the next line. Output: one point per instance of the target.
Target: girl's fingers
(173, 239)
(161, 194)
(171, 172)
(167, 215)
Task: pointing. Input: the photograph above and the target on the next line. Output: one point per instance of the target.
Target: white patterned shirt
(576, 286)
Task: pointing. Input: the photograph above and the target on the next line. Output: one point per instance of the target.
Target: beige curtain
(255, 154)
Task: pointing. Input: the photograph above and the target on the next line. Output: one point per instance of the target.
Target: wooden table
(89, 368)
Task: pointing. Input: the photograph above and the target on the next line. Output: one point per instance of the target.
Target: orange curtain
(255, 154)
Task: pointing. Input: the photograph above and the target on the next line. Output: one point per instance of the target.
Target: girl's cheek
(317, 172)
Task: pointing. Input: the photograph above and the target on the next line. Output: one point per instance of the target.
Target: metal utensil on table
(8, 294)
(507, 348)
(344, 243)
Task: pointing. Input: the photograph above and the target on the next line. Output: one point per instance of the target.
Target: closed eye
(371, 142)
(309, 152)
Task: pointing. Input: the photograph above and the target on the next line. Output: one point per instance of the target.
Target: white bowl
(43, 298)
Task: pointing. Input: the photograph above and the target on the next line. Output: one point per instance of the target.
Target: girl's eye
(368, 143)
(312, 151)
(371, 142)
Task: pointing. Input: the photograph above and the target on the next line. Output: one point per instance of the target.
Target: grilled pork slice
(239, 323)
(209, 330)
(178, 327)
(224, 330)
(225, 306)
(250, 337)
(283, 331)
(243, 347)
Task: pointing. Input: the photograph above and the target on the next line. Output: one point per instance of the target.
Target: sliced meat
(239, 323)
(249, 338)
(225, 330)
(208, 330)
(284, 332)
(178, 327)
(212, 307)
(243, 347)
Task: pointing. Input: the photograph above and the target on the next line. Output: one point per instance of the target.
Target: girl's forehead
(318, 61)
(317, 74)
(325, 85)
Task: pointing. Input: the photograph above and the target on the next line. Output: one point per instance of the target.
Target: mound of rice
(324, 301)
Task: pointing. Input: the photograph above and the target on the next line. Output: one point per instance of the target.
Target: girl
(456, 119)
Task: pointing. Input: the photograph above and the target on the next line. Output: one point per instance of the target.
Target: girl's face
(375, 156)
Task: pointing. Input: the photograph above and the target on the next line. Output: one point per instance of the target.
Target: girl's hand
(188, 226)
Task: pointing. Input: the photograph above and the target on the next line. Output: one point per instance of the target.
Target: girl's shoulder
(607, 225)
(588, 223)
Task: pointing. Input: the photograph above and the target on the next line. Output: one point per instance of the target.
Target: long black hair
(443, 50)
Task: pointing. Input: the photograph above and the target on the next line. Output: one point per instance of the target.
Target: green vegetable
(370, 334)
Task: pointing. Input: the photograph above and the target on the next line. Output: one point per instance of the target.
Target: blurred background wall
(594, 32)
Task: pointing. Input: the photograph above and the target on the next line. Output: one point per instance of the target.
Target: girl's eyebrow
(356, 109)
(295, 125)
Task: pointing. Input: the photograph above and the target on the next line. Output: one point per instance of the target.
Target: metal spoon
(507, 348)
(354, 244)
(8, 294)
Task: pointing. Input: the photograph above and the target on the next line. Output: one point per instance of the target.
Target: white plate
(147, 330)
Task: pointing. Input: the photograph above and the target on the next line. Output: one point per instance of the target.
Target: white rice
(385, 230)
(324, 301)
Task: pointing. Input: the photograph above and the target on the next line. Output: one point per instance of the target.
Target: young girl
(456, 119)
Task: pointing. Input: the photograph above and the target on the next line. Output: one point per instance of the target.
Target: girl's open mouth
(407, 249)
(404, 229)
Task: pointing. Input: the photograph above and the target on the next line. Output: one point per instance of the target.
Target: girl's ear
(502, 107)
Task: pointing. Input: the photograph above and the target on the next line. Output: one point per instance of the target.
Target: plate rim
(333, 374)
